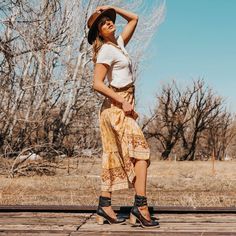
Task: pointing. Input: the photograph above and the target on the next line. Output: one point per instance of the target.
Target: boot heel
(136, 215)
(100, 220)
(132, 219)
(102, 216)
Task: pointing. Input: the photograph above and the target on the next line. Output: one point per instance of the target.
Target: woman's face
(106, 27)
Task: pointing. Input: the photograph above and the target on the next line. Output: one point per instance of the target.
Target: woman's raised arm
(131, 17)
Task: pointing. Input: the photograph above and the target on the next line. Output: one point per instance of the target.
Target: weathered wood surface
(73, 224)
(84, 209)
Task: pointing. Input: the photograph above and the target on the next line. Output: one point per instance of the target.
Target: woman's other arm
(100, 72)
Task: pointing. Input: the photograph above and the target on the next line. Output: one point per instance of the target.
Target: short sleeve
(120, 41)
(105, 55)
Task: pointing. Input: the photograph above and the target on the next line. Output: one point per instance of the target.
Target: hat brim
(111, 13)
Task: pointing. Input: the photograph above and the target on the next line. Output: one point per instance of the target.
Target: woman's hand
(129, 110)
(103, 8)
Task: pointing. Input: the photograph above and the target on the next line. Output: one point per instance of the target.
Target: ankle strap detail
(104, 201)
(140, 200)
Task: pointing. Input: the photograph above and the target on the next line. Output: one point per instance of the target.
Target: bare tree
(231, 148)
(205, 110)
(170, 118)
(46, 73)
(219, 135)
(183, 118)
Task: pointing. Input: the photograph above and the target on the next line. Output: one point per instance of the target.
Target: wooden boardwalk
(73, 221)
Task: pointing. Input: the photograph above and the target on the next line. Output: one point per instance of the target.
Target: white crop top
(120, 71)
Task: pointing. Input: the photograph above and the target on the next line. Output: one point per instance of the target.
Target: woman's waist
(126, 92)
(129, 88)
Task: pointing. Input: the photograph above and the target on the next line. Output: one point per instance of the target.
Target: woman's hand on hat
(102, 8)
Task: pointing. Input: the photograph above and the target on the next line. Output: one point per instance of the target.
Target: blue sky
(196, 40)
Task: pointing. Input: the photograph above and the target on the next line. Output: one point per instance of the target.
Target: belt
(123, 88)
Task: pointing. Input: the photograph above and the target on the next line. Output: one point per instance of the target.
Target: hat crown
(92, 19)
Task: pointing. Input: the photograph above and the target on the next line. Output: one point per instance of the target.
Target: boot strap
(140, 201)
(104, 201)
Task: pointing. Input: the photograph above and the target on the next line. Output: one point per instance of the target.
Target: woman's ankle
(106, 194)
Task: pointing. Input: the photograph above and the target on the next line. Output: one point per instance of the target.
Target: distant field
(169, 183)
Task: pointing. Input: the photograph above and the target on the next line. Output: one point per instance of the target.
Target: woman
(125, 151)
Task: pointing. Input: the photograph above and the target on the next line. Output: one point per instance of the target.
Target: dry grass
(169, 183)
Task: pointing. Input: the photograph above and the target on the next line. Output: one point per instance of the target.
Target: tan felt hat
(94, 19)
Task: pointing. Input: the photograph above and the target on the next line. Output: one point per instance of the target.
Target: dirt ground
(170, 183)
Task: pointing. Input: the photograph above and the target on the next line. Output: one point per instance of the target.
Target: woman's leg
(108, 209)
(140, 183)
(141, 177)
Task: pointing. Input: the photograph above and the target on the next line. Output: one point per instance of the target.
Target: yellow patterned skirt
(123, 143)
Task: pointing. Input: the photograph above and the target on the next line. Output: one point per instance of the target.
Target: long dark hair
(98, 42)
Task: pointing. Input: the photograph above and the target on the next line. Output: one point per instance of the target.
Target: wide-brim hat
(94, 19)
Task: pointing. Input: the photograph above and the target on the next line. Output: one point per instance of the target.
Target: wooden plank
(61, 223)
(220, 218)
(146, 233)
(200, 215)
(163, 228)
(218, 221)
(43, 220)
(43, 214)
(92, 209)
(46, 208)
(37, 227)
(87, 226)
(38, 233)
(81, 216)
(202, 226)
(36, 222)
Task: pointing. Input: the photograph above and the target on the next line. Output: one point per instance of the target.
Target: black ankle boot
(136, 214)
(102, 215)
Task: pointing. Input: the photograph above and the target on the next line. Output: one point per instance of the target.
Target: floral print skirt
(123, 143)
